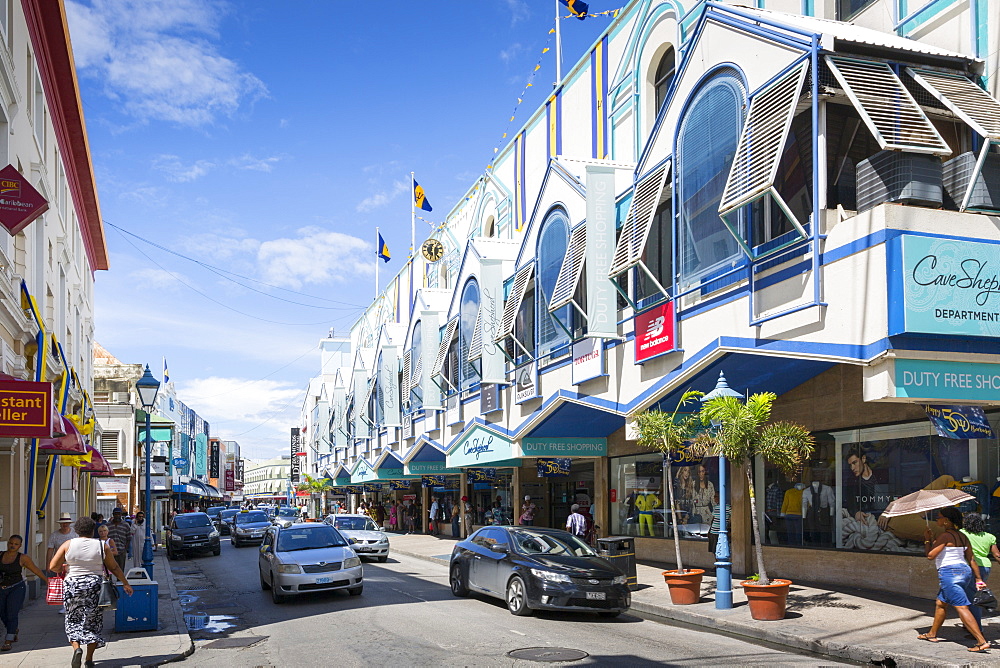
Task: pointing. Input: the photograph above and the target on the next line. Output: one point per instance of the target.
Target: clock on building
(432, 250)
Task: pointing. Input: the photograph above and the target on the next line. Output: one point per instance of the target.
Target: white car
(307, 557)
(366, 537)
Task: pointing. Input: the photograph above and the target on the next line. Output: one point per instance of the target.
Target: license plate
(596, 595)
(323, 581)
(363, 549)
(202, 544)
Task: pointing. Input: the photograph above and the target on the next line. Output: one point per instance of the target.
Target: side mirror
(499, 547)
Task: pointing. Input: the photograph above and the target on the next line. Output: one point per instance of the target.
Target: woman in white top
(958, 574)
(109, 543)
(85, 561)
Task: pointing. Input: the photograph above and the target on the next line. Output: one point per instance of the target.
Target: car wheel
(609, 614)
(355, 591)
(236, 543)
(276, 596)
(458, 587)
(170, 555)
(517, 597)
(263, 585)
(217, 551)
(384, 559)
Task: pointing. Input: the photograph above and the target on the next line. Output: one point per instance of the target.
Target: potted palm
(668, 433)
(742, 431)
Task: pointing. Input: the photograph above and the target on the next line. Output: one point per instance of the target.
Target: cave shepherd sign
(20, 203)
(25, 409)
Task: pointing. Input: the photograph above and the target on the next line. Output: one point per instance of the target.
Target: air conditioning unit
(903, 178)
(986, 191)
(120, 398)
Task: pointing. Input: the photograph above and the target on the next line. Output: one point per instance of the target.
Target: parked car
(364, 535)
(248, 526)
(223, 521)
(532, 568)
(286, 514)
(307, 557)
(192, 532)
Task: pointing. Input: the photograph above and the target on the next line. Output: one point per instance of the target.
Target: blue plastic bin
(140, 611)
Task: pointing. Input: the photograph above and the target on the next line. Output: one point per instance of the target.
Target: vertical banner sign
(430, 336)
(338, 434)
(388, 380)
(490, 313)
(230, 481)
(602, 300)
(361, 428)
(295, 470)
(213, 459)
(489, 397)
(239, 469)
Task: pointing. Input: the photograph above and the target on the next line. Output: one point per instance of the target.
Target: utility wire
(223, 273)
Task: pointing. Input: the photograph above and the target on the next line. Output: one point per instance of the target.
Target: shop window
(552, 244)
(468, 314)
(706, 147)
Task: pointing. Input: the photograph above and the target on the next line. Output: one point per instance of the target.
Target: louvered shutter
(514, 299)
(442, 351)
(638, 220)
(969, 102)
(476, 344)
(571, 269)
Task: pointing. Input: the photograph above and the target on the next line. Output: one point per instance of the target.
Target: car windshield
(191, 521)
(309, 538)
(288, 512)
(225, 514)
(247, 518)
(212, 512)
(537, 542)
(354, 524)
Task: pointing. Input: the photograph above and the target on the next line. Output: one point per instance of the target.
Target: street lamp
(147, 386)
(723, 553)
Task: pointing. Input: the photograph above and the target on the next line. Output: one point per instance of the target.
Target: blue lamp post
(147, 387)
(723, 553)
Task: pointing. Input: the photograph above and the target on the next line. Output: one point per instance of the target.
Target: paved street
(407, 616)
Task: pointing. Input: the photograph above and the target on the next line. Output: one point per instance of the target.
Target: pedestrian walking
(576, 523)
(103, 536)
(86, 563)
(958, 574)
(393, 510)
(138, 539)
(433, 516)
(713, 530)
(468, 515)
(984, 546)
(528, 511)
(13, 588)
(120, 532)
(64, 533)
(456, 519)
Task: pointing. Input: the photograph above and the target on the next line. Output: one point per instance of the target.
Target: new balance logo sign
(655, 327)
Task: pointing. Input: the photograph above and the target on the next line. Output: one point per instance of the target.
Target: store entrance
(492, 502)
(577, 487)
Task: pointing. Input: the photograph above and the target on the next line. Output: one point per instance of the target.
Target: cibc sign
(25, 409)
(20, 203)
(295, 470)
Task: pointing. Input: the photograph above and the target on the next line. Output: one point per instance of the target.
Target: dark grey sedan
(248, 526)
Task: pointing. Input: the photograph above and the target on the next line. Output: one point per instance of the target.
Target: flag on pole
(577, 8)
(419, 198)
(166, 373)
(383, 249)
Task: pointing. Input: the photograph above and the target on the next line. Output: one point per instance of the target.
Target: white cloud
(511, 52)
(159, 279)
(315, 256)
(381, 197)
(251, 163)
(157, 58)
(179, 172)
(518, 10)
(215, 246)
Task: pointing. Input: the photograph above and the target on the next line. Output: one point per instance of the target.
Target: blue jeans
(11, 600)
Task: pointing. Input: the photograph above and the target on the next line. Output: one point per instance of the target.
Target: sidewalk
(855, 624)
(43, 641)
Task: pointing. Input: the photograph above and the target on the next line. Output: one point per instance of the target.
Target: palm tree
(314, 486)
(668, 433)
(743, 431)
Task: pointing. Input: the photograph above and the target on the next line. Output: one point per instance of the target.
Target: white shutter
(407, 361)
(639, 219)
(442, 352)
(109, 445)
(514, 299)
(476, 344)
(571, 269)
(969, 102)
(762, 141)
(887, 108)
(417, 374)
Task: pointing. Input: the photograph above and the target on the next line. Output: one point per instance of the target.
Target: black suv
(192, 532)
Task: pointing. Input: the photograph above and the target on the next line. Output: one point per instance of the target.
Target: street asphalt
(407, 616)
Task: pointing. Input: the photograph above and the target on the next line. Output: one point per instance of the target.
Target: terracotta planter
(767, 602)
(685, 588)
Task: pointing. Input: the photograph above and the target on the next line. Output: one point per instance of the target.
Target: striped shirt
(576, 524)
(716, 519)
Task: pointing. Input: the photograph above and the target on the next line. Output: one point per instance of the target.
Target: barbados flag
(577, 8)
(166, 373)
(383, 249)
(419, 198)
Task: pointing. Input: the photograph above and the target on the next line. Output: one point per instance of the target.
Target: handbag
(54, 593)
(109, 592)
(984, 598)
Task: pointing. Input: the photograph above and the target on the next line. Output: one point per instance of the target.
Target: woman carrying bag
(86, 563)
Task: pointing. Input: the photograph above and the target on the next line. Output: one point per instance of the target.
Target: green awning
(161, 429)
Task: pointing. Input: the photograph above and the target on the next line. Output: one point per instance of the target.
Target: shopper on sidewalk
(13, 587)
(120, 532)
(958, 574)
(433, 516)
(85, 562)
(138, 539)
(528, 511)
(468, 515)
(576, 523)
(984, 545)
(63, 534)
(456, 520)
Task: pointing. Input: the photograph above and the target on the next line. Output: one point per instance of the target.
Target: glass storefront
(640, 504)
(492, 502)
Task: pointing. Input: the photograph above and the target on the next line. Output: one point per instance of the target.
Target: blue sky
(270, 140)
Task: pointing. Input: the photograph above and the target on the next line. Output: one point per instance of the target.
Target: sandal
(6, 647)
(985, 647)
(928, 637)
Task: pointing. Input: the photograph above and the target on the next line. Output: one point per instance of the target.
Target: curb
(760, 632)
(179, 622)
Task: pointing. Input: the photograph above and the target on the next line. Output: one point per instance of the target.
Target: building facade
(805, 204)
(47, 268)
(267, 482)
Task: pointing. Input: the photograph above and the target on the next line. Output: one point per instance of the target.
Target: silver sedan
(307, 557)
(366, 537)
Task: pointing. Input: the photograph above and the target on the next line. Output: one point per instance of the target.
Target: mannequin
(791, 511)
(645, 503)
(818, 503)
(977, 489)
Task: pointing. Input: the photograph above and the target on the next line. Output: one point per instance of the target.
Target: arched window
(490, 229)
(552, 242)
(665, 72)
(468, 312)
(706, 145)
